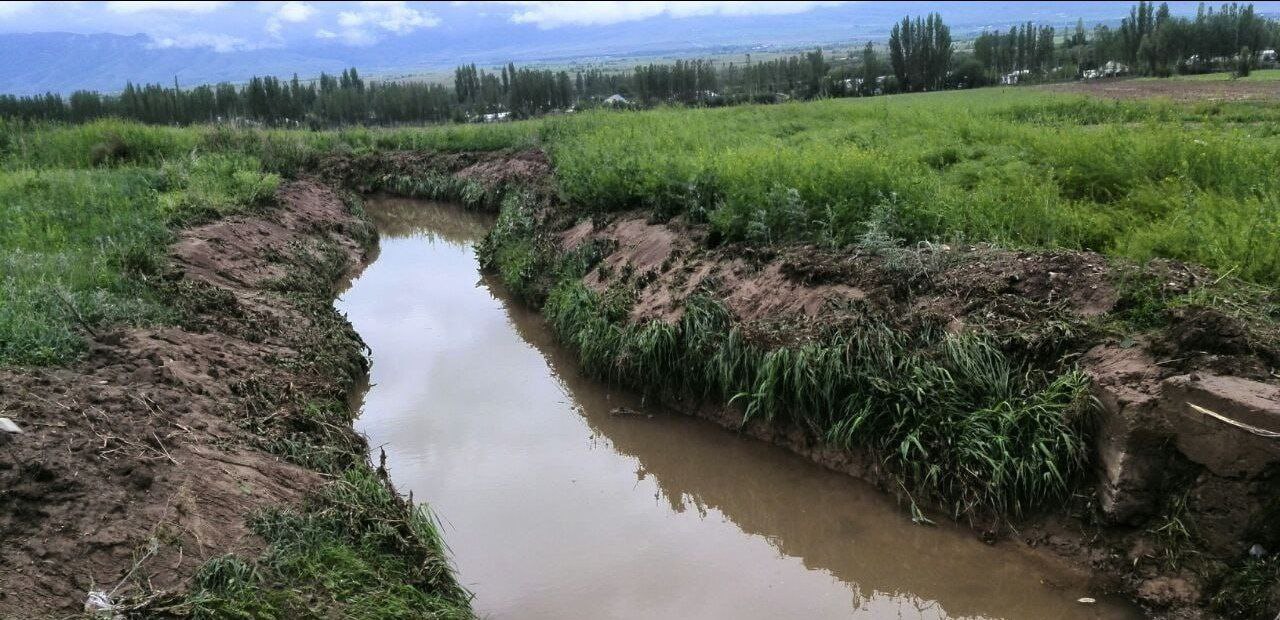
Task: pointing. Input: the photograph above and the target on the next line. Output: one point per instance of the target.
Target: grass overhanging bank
(928, 291)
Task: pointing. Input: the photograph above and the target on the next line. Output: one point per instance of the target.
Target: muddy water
(556, 508)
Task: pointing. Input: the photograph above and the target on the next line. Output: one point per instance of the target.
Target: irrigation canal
(555, 506)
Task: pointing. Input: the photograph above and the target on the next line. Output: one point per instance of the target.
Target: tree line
(476, 94)
(1150, 41)
(920, 56)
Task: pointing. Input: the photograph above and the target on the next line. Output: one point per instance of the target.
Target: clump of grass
(527, 261)
(353, 549)
(1248, 589)
(1175, 532)
(954, 417)
(206, 187)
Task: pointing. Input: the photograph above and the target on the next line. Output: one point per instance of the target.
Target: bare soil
(144, 459)
(1192, 91)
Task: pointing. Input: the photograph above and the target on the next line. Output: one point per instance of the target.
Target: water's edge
(840, 529)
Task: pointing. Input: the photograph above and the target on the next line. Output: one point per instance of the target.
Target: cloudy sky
(234, 26)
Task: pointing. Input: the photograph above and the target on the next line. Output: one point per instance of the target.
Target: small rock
(7, 426)
(1086, 600)
(1257, 551)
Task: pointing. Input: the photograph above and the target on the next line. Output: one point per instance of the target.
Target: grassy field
(88, 208)
(1010, 166)
(88, 211)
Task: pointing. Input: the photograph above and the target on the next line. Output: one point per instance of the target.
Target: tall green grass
(114, 143)
(83, 249)
(89, 209)
(78, 248)
(1017, 167)
(955, 418)
(349, 551)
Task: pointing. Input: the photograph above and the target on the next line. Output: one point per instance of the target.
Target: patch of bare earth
(1185, 91)
(136, 464)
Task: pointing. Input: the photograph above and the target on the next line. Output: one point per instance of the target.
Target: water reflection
(557, 508)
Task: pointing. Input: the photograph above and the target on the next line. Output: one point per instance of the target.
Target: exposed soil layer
(1190, 91)
(143, 460)
(1188, 407)
(494, 171)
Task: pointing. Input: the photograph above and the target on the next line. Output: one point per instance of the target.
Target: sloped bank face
(208, 468)
(956, 377)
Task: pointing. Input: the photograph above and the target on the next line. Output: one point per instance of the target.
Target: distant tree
(920, 52)
(870, 69)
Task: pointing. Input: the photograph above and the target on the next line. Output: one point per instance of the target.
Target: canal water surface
(555, 507)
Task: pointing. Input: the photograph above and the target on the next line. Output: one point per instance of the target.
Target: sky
(240, 26)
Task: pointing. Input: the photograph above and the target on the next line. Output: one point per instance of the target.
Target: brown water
(554, 508)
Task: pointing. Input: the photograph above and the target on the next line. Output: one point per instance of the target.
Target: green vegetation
(1132, 179)
(348, 551)
(89, 210)
(956, 419)
(1249, 589)
(84, 247)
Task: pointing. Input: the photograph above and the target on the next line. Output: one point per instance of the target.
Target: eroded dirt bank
(1177, 504)
(144, 460)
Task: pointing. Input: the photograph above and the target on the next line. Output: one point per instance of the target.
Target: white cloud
(216, 42)
(325, 34)
(295, 12)
(555, 14)
(172, 7)
(8, 9)
(292, 12)
(361, 27)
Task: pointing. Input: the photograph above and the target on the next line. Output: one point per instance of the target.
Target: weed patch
(353, 549)
(957, 420)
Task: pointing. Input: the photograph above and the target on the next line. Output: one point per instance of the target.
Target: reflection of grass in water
(404, 217)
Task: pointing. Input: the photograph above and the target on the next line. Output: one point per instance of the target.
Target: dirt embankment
(144, 459)
(1186, 453)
